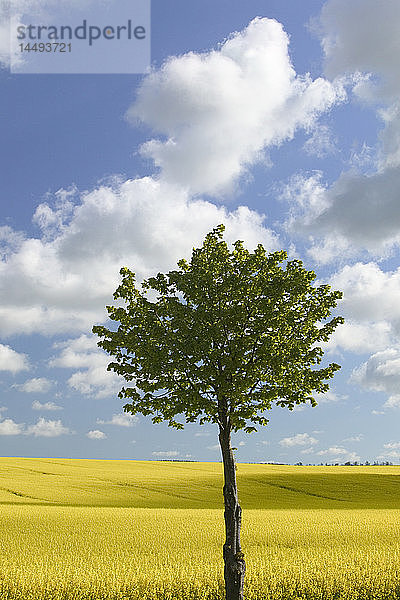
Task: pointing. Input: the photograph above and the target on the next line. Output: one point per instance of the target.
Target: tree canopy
(221, 338)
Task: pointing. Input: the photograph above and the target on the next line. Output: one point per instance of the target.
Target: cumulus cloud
(392, 445)
(47, 428)
(339, 452)
(333, 451)
(370, 306)
(218, 111)
(361, 210)
(61, 281)
(36, 385)
(121, 419)
(9, 427)
(166, 453)
(381, 373)
(350, 49)
(361, 337)
(92, 378)
(300, 439)
(42, 428)
(96, 434)
(368, 292)
(12, 361)
(354, 438)
(36, 405)
(309, 450)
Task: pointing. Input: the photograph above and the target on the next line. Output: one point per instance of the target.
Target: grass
(83, 529)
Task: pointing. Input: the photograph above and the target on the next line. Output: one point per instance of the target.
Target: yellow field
(58, 541)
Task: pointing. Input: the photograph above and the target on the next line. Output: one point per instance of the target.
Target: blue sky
(280, 119)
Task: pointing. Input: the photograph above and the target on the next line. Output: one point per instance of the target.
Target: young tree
(229, 334)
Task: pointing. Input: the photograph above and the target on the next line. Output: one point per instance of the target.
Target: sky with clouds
(280, 119)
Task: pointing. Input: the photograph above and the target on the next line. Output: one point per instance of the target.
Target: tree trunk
(233, 556)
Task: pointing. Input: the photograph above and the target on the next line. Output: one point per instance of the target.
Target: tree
(220, 340)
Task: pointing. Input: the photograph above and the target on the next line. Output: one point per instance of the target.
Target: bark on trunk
(235, 567)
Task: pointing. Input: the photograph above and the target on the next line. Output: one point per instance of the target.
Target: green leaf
(222, 338)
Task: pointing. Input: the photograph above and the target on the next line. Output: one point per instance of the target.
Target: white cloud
(357, 212)
(329, 396)
(381, 373)
(353, 457)
(333, 451)
(44, 428)
(361, 210)
(220, 110)
(300, 439)
(370, 307)
(351, 34)
(393, 401)
(92, 379)
(166, 453)
(363, 158)
(390, 455)
(392, 445)
(391, 451)
(369, 294)
(214, 447)
(321, 143)
(300, 407)
(96, 434)
(9, 427)
(309, 450)
(36, 385)
(355, 438)
(121, 419)
(36, 405)
(360, 337)
(12, 361)
(60, 281)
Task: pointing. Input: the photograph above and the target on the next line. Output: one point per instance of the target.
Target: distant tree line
(384, 463)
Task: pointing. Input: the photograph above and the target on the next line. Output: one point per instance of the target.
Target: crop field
(93, 529)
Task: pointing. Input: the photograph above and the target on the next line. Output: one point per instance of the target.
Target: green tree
(220, 340)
